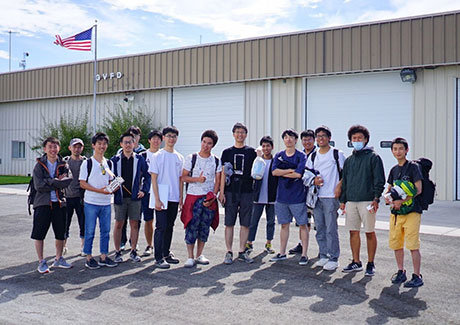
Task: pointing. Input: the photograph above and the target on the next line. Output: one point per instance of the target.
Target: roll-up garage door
(379, 101)
(196, 109)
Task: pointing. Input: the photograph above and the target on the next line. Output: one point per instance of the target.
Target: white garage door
(379, 101)
(196, 109)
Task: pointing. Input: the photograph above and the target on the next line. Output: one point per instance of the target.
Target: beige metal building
(337, 77)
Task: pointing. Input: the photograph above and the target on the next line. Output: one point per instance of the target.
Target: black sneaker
(92, 264)
(416, 281)
(118, 257)
(162, 264)
(171, 259)
(107, 262)
(134, 257)
(296, 250)
(370, 269)
(399, 277)
(244, 257)
(278, 257)
(303, 260)
(353, 267)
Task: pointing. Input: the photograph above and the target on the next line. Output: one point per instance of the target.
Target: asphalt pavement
(258, 293)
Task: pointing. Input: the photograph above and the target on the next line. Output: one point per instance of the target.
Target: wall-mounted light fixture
(129, 97)
(408, 75)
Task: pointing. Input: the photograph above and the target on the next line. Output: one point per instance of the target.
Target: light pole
(9, 49)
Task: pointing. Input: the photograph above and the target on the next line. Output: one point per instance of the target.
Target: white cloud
(4, 55)
(51, 17)
(234, 19)
(171, 38)
(398, 9)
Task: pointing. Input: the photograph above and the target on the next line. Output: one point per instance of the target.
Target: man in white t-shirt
(155, 138)
(202, 172)
(97, 201)
(328, 163)
(166, 171)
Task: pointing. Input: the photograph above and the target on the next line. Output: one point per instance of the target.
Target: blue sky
(138, 26)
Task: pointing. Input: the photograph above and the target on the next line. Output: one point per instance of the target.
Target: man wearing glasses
(95, 175)
(236, 195)
(327, 162)
(166, 170)
(133, 169)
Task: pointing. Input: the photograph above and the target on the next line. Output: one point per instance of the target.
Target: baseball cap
(74, 141)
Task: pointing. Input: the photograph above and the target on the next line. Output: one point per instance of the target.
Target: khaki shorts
(405, 227)
(129, 209)
(357, 214)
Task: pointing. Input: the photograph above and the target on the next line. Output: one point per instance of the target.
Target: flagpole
(94, 77)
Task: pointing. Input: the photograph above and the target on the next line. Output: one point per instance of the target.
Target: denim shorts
(285, 212)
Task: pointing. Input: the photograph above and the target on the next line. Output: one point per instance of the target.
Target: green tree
(68, 126)
(120, 119)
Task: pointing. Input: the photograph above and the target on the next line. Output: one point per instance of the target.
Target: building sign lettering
(111, 75)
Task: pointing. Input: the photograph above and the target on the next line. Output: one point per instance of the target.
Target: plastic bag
(258, 168)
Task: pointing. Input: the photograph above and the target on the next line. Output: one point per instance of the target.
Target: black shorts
(242, 206)
(44, 216)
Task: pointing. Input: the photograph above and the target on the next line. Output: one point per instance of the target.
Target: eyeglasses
(102, 169)
(322, 136)
(171, 136)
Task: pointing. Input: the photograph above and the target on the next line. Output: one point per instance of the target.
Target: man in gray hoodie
(363, 181)
(50, 177)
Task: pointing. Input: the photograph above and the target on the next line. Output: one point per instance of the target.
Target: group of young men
(153, 186)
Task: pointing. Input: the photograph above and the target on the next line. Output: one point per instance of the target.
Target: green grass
(6, 179)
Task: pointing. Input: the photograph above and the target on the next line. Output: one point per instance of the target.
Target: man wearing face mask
(363, 181)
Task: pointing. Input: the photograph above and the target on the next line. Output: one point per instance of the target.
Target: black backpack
(428, 186)
(32, 192)
(194, 157)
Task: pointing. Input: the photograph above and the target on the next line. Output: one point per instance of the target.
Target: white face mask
(358, 145)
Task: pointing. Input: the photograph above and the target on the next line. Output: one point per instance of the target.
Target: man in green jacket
(363, 182)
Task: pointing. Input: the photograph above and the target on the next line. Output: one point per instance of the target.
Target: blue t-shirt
(52, 170)
(290, 190)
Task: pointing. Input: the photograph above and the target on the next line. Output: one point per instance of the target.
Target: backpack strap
(89, 166)
(190, 173)
(336, 157)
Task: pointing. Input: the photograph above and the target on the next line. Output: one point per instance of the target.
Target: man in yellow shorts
(405, 184)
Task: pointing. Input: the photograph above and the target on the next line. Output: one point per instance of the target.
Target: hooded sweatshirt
(363, 177)
(45, 184)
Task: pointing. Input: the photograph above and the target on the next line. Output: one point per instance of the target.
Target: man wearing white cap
(74, 193)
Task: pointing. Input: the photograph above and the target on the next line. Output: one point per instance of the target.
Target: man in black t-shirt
(236, 194)
(404, 185)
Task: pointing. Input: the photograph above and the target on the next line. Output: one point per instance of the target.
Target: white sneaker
(330, 266)
(189, 263)
(202, 260)
(321, 262)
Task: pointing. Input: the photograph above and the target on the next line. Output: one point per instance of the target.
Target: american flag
(79, 42)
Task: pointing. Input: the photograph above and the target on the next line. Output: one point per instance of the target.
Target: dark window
(19, 149)
(385, 144)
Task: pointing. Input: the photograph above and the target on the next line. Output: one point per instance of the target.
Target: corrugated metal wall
(257, 111)
(410, 42)
(286, 108)
(22, 121)
(434, 124)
